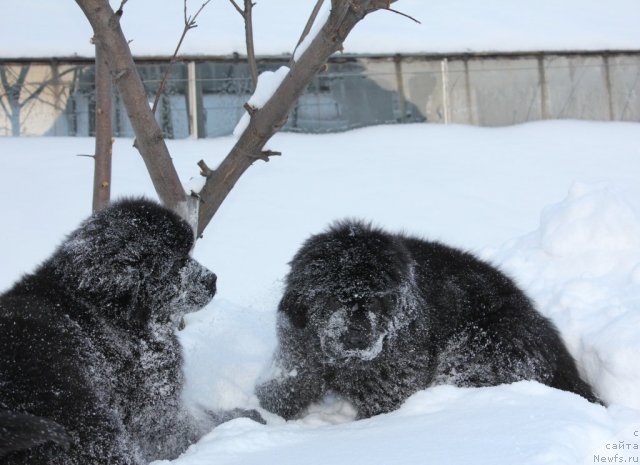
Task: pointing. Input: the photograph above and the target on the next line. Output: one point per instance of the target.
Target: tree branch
(238, 9)
(120, 11)
(3, 77)
(150, 143)
(13, 90)
(247, 16)
(204, 169)
(266, 121)
(402, 14)
(43, 85)
(189, 23)
(4, 108)
(307, 27)
(248, 32)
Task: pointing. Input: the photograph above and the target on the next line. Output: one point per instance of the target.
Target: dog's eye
(180, 261)
(298, 316)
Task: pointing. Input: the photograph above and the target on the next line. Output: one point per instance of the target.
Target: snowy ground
(555, 204)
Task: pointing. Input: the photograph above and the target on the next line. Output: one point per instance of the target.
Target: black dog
(90, 367)
(375, 317)
(21, 431)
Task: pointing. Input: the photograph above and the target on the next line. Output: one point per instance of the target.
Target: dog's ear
(294, 309)
(131, 308)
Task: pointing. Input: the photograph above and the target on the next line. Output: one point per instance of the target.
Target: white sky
(44, 28)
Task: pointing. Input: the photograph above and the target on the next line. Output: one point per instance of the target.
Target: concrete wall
(489, 90)
(504, 90)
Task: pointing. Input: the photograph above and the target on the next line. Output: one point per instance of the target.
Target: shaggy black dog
(90, 366)
(375, 317)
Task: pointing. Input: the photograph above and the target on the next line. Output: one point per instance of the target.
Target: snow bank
(582, 267)
(523, 423)
(471, 187)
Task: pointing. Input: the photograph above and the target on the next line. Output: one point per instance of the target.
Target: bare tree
(12, 93)
(16, 92)
(103, 112)
(264, 122)
(109, 37)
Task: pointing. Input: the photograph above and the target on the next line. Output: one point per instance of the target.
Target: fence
(56, 98)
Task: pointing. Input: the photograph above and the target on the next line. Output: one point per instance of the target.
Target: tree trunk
(13, 93)
(149, 140)
(104, 135)
(15, 119)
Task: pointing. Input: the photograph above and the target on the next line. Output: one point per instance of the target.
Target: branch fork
(344, 15)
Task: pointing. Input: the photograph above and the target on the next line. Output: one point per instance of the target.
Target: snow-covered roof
(46, 28)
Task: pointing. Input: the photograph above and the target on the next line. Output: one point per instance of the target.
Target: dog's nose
(355, 339)
(212, 282)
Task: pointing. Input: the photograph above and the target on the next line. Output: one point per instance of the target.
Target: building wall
(499, 91)
(490, 90)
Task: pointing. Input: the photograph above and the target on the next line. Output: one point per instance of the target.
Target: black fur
(21, 431)
(88, 341)
(375, 317)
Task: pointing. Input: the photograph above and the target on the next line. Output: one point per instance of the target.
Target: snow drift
(475, 188)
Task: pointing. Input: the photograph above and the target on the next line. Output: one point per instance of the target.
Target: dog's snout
(212, 282)
(355, 338)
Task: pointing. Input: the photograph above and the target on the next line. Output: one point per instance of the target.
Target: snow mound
(225, 349)
(525, 423)
(592, 219)
(582, 267)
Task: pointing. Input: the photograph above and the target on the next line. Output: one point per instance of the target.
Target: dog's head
(131, 260)
(350, 290)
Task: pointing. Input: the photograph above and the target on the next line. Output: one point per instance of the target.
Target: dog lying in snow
(375, 317)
